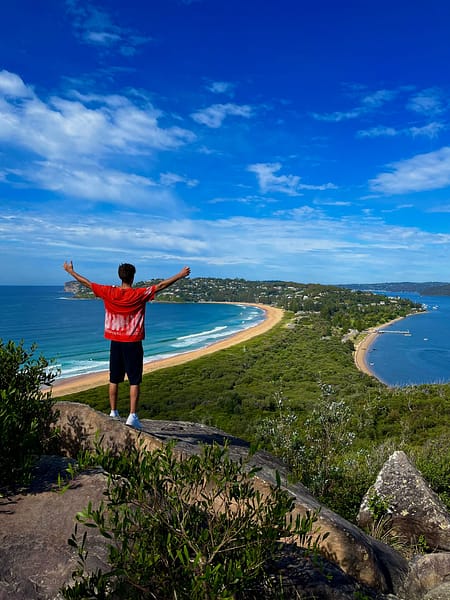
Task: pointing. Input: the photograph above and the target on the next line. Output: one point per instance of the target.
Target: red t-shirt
(124, 311)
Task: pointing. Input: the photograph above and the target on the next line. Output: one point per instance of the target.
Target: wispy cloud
(440, 208)
(378, 131)
(303, 236)
(430, 130)
(367, 103)
(285, 184)
(88, 182)
(338, 116)
(96, 27)
(430, 101)
(170, 179)
(221, 87)
(213, 116)
(429, 171)
(378, 98)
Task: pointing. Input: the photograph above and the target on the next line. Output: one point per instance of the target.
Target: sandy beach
(84, 382)
(364, 345)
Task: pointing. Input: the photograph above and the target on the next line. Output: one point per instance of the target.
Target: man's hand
(68, 266)
(162, 285)
(185, 272)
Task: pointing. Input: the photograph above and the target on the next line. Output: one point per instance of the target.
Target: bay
(422, 356)
(70, 331)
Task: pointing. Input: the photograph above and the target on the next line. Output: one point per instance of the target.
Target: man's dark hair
(126, 273)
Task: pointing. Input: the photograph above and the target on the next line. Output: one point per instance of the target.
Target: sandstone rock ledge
(35, 559)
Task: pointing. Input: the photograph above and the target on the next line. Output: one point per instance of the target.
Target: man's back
(124, 311)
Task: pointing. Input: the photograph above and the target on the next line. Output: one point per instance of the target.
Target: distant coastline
(81, 383)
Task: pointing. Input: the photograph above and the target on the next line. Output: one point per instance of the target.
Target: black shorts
(126, 357)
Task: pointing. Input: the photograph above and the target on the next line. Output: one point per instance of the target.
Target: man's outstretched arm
(68, 266)
(162, 285)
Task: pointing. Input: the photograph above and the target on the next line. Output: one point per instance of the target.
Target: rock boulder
(415, 511)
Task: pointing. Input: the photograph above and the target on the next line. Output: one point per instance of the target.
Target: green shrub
(433, 461)
(313, 450)
(26, 412)
(189, 529)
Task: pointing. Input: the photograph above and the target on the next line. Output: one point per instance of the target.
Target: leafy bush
(312, 450)
(320, 451)
(26, 412)
(189, 529)
(433, 461)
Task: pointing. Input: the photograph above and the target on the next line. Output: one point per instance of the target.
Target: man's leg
(134, 397)
(133, 365)
(113, 394)
(133, 419)
(116, 375)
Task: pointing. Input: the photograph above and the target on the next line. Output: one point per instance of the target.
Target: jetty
(398, 331)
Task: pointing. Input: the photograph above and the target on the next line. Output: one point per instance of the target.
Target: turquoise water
(70, 331)
(423, 356)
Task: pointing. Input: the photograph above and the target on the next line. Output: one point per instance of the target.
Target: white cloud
(368, 103)
(332, 202)
(64, 128)
(379, 131)
(95, 27)
(87, 182)
(285, 184)
(221, 87)
(74, 139)
(12, 86)
(429, 171)
(440, 208)
(170, 179)
(269, 182)
(427, 102)
(214, 115)
(430, 130)
(378, 98)
(338, 116)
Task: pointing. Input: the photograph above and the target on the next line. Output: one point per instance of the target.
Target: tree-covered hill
(344, 304)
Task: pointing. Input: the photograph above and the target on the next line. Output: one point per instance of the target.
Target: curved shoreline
(81, 383)
(363, 347)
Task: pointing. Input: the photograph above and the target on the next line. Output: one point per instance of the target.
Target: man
(124, 326)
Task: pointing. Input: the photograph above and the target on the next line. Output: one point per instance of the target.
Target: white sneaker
(114, 414)
(133, 421)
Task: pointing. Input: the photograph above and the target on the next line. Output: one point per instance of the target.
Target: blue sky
(281, 139)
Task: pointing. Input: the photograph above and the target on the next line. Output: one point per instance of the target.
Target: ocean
(69, 331)
(421, 356)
